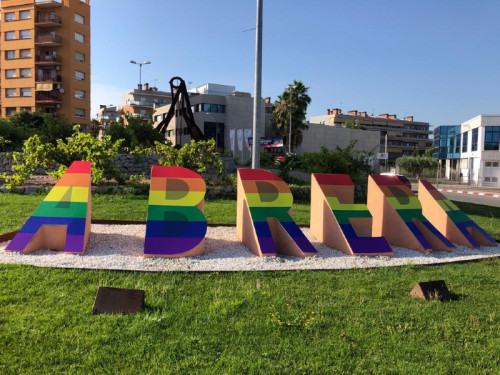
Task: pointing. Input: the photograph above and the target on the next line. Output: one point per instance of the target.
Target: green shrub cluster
(197, 156)
(80, 146)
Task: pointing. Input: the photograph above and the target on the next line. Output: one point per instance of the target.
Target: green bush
(198, 156)
(80, 146)
(338, 160)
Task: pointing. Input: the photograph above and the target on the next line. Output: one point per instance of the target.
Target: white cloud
(106, 94)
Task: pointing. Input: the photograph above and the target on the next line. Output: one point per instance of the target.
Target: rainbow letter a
(62, 220)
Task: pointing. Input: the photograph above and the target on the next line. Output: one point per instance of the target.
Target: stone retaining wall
(123, 163)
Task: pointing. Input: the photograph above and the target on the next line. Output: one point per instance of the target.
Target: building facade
(222, 114)
(447, 149)
(143, 101)
(402, 134)
(480, 150)
(45, 58)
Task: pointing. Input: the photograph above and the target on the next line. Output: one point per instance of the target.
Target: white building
(480, 150)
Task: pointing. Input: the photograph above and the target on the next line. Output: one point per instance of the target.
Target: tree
(416, 164)
(24, 125)
(294, 101)
(138, 133)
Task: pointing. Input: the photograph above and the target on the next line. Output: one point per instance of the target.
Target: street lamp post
(216, 133)
(140, 69)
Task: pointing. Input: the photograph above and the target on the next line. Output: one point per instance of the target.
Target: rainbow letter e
(62, 220)
(176, 225)
(339, 223)
(397, 215)
(449, 219)
(263, 221)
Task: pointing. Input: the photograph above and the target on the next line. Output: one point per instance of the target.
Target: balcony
(48, 40)
(47, 20)
(47, 60)
(48, 3)
(48, 78)
(48, 98)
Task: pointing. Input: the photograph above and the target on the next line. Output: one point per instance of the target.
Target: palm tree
(294, 102)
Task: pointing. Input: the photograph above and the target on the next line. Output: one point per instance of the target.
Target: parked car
(398, 177)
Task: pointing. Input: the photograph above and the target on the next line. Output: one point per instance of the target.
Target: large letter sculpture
(176, 225)
(449, 219)
(339, 223)
(397, 216)
(263, 221)
(62, 220)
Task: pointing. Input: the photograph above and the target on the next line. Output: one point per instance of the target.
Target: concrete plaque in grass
(431, 290)
(118, 301)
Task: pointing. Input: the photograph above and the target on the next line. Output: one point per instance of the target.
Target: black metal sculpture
(180, 94)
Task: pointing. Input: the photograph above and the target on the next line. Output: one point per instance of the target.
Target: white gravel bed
(120, 247)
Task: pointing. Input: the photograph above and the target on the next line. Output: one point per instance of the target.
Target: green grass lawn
(351, 321)
(348, 321)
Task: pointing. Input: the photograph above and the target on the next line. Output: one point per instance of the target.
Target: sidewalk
(454, 187)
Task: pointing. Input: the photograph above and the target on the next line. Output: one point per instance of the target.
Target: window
(10, 73)
(494, 164)
(26, 92)
(79, 75)
(474, 140)
(24, 15)
(10, 35)
(9, 55)
(25, 34)
(487, 163)
(10, 93)
(79, 112)
(10, 111)
(465, 140)
(79, 18)
(491, 137)
(27, 109)
(11, 16)
(26, 72)
(79, 37)
(79, 94)
(24, 53)
(79, 56)
(457, 144)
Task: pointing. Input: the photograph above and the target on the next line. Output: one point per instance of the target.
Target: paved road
(477, 199)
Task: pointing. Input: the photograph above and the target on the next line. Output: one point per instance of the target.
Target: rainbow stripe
(67, 204)
(463, 223)
(334, 184)
(175, 223)
(268, 196)
(408, 207)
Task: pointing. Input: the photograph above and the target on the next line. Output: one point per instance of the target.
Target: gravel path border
(120, 247)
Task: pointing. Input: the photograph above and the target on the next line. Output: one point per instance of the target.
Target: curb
(492, 195)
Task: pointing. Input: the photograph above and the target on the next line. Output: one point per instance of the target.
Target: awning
(44, 86)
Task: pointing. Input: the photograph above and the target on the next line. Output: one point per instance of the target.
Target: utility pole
(257, 101)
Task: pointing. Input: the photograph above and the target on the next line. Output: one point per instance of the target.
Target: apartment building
(402, 134)
(143, 100)
(45, 58)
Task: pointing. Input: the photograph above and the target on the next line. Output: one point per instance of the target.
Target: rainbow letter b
(176, 225)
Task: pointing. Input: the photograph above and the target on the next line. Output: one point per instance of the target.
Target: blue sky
(437, 60)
